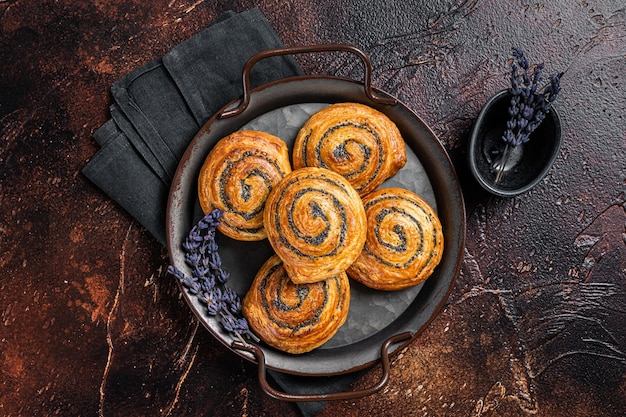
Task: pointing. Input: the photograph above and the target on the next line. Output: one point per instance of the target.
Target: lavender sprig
(528, 106)
(208, 279)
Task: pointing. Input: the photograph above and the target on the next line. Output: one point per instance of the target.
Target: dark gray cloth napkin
(159, 107)
(156, 111)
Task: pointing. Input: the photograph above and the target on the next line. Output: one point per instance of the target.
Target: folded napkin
(157, 110)
(159, 107)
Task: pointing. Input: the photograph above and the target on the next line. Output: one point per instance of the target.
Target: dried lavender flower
(528, 106)
(201, 255)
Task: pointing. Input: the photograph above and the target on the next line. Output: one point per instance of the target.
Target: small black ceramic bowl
(527, 163)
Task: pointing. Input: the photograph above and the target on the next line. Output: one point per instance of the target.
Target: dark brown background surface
(91, 324)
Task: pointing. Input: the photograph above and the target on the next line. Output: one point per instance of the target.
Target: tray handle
(243, 104)
(343, 395)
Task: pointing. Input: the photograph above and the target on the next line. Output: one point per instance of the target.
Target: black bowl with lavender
(525, 165)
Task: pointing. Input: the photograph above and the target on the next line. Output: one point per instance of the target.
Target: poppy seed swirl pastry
(354, 140)
(295, 318)
(237, 176)
(315, 221)
(404, 241)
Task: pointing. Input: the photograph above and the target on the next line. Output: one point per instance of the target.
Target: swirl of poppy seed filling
(275, 300)
(399, 232)
(227, 175)
(316, 212)
(340, 152)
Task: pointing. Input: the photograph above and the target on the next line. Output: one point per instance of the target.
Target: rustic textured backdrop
(91, 324)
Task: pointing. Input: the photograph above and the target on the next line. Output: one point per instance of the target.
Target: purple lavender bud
(192, 259)
(208, 284)
(177, 273)
(553, 89)
(521, 122)
(235, 306)
(200, 271)
(242, 324)
(229, 295)
(231, 298)
(517, 52)
(528, 113)
(216, 294)
(508, 137)
(222, 276)
(193, 286)
(203, 224)
(195, 236)
(191, 243)
(206, 262)
(235, 325)
(194, 231)
(229, 323)
(521, 138)
(528, 130)
(513, 77)
(209, 236)
(522, 62)
(539, 117)
(212, 308)
(211, 247)
(510, 124)
(202, 250)
(214, 301)
(215, 262)
(536, 77)
(213, 217)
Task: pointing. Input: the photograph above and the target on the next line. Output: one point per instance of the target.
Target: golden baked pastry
(404, 241)
(354, 140)
(237, 176)
(315, 221)
(295, 318)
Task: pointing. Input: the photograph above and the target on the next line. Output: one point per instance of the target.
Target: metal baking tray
(379, 323)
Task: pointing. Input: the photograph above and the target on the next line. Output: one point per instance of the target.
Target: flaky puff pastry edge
(395, 271)
(288, 328)
(393, 149)
(260, 145)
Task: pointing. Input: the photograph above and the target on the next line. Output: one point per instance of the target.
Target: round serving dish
(376, 319)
